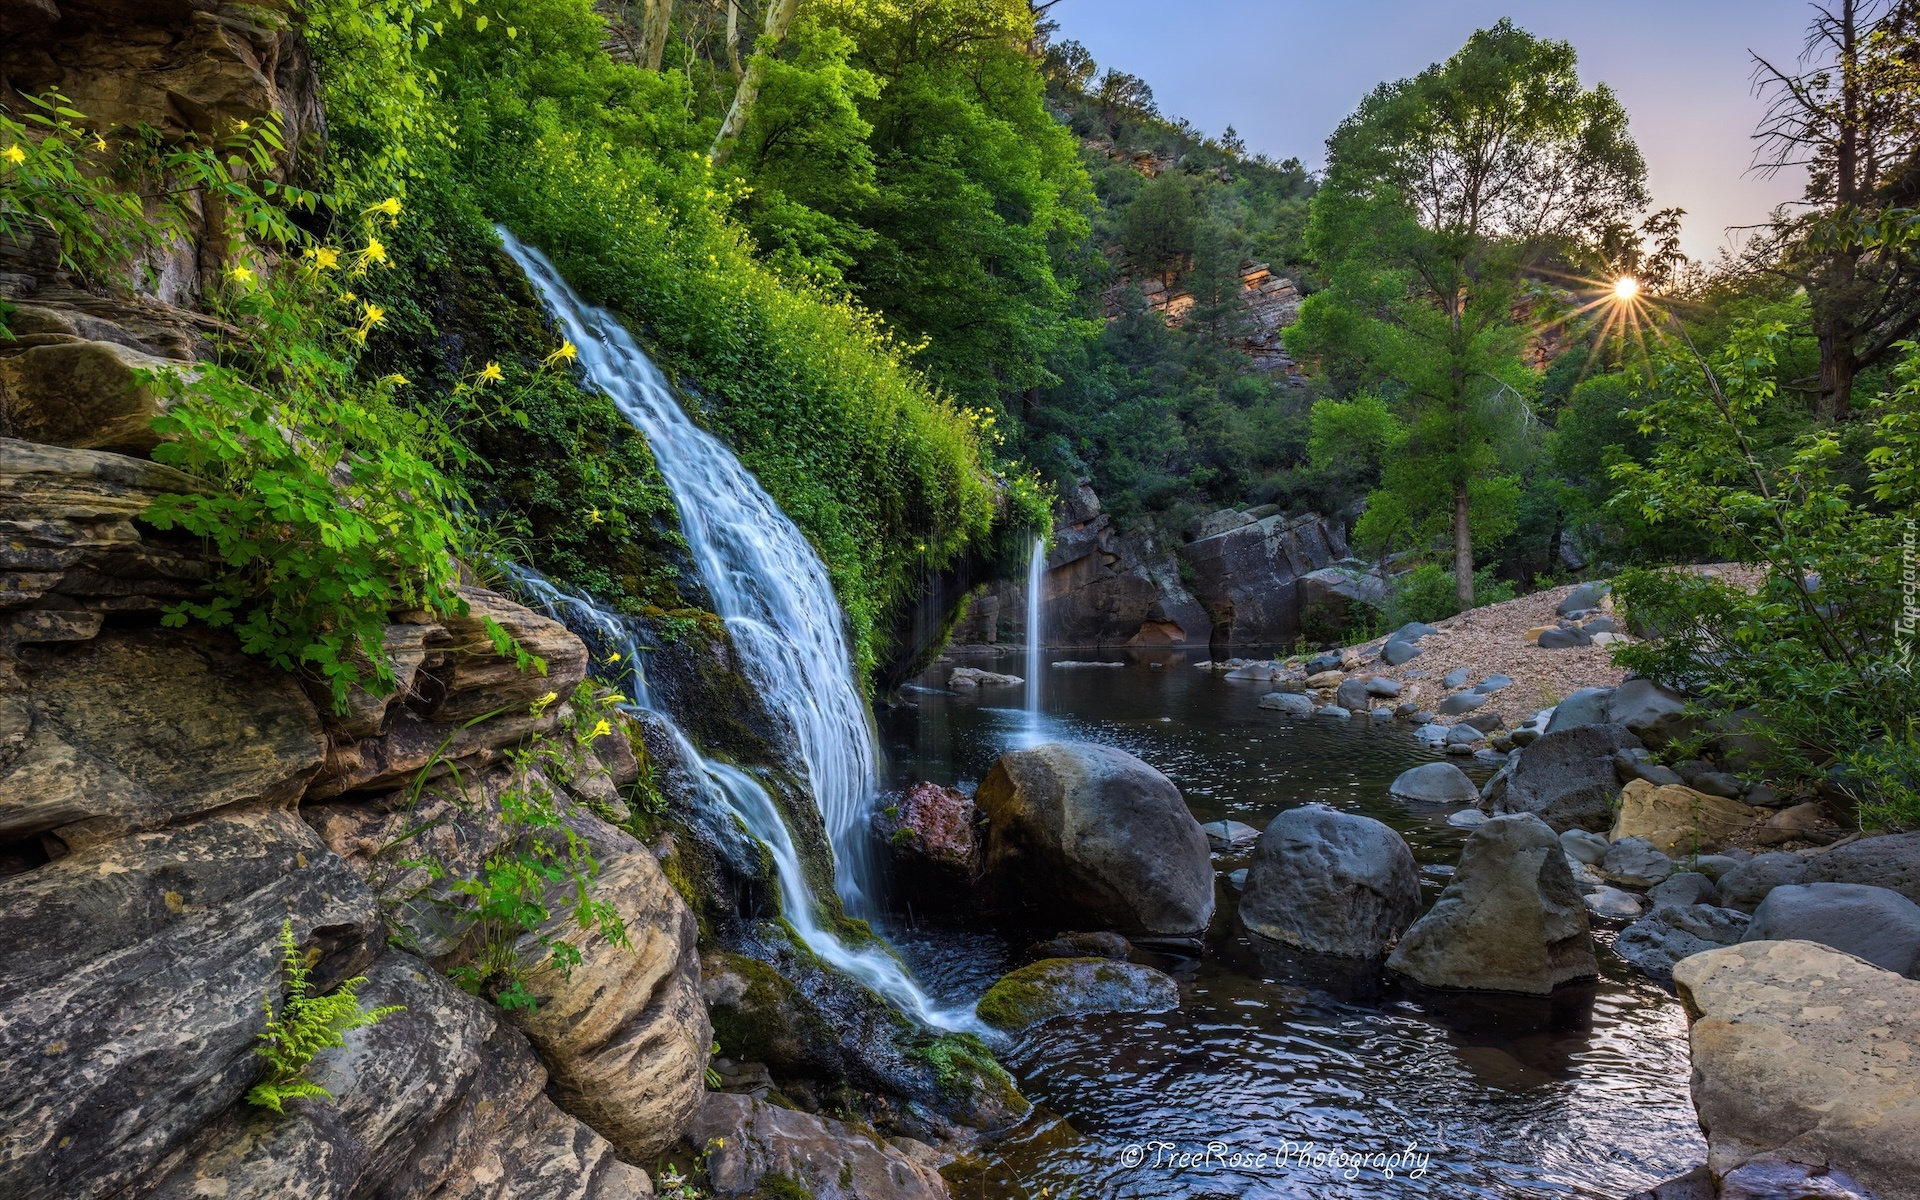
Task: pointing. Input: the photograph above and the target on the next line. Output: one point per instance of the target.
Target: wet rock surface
(1061, 987)
(1331, 882)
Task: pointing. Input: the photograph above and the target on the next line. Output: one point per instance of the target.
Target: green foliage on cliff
(305, 1025)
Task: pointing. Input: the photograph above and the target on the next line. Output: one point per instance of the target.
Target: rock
(1678, 820)
(753, 1148)
(1889, 861)
(85, 395)
(1321, 663)
(1716, 866)
(1326, 679)
(1255, 581)
(1083, 945)
(1801, 823)
(1353, 695)
(133, 976)
(1331, 882)
(1596, 626)
(1333, 711)
(1485, 722)
(1533, 728)
(1806, 1054)
(1063, 987)
(1718, 783)
(1612, 904)
(1580, 599)
(1223, 836)
(1762, 795)
(1635, 862)
(1382, 713)
(1430, 734)
(1874, 923)
(1696, 1184)
(1264, 672)
(1454, 678)
(1461, 747)
(1493, 683)
(1567, 778)
(1588, 706)
(1434, 783)
(1510, 920)
(1584, 847)
(1772, 1178)
(968, 678)
(1629, 765)
(1684, 888)
(1337, 597)
(1383, 687)
(1654, 715)
(1237, 879)
(1412, 631)
(1467, 818)
(1460, 702)
(1093, 832)
(1399, 653)
(1288, 703)
(1420, 716)
(929, 832)
(1671, 932)
(139, 728)
(1464, 734)
(1747, 885)
(1564, 639)
(442, 1099)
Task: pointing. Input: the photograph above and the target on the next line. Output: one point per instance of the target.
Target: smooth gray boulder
(1464, 734)
(1635, 862)
(1671, 932)
(1746, 885)
(1888, 861)
(1567, 778)
(1588, 706)
(1558, 638)
(1399, 653)
(1654, 714)
(1092, 834)
(1612, 904)
(1461, 702)
(748, 1144)
(1412, 631)
(1493, 683)
(1454, 678)
(1629, 765)
(1335, 712)
(1683, 888)
(1331, 882)
(1581, 846)
(1583, 598)
(1874, 923)
(1230, 835)
(1287, 703)
(1383, 687)
(1352, 694)
(1510, 920)
(1063, 987)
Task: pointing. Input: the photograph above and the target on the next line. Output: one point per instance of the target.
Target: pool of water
(1280, 1074)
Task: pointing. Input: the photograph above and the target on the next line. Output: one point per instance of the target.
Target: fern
(305, 1025)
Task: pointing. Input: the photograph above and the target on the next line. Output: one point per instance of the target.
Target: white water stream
(1036, 583)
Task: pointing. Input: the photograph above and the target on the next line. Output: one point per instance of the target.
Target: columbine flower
(566, 353)
(372, 315)
(374, 253)
(14, 154)
(390, 207)
(490, 373)
(99, 143)
(325, 258)
(600, 730)
(241, 274)
(394, 380)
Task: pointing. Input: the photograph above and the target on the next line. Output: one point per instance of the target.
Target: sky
(1284, 72)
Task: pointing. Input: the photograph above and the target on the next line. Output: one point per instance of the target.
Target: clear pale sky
(1284, 72)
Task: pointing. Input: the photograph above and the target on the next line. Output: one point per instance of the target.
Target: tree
(1441, 192)
(1851, 119)
(1157, 229)
(779, 16)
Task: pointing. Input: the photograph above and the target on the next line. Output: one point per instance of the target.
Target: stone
(1322, 663)
(1889, 861)
(1287, 703)
(442, 1099)
(1580, 599)
(1718, 783)
(1587, 706)
(1874, 923)
(131, 974)
(969, 678)
(1467, 818)
(753, 1148)
(1339, 596)
(1493, 683)
(1801, 823)
(1806, 1054)
(1326, 679)
(1083, 945)
(1466, 735)
(1382, 713)
(1763, 795)
(1420, 716)
(1654, 714)
(1460, 702)
(1671, 932)
(85, 395)
(1431, 734)
(1772, 1178)
(1629, 765)
(1716, 866)
(1237, 879)
(1064, 987)
(1461, 747)
(1635, 862)
(1531, 729)
(1331, 882)
(1434, 783)
(1564, 639)
(1567, 777)
(930, 838)
(1353, 694)
(1092, 832)
(1334, 712)
(1454, 678)
(1509, 920)
(1223, 836)
(1612, 904)
(1746, 885)
(1677, 819)
(139, 728)
(1257, 580)
(1266, 672)
(1595, 626)
(1400, 653)
(1383, 687)
(1683, 888)
(1412, 631)
(1485, 722)
(1584, 847)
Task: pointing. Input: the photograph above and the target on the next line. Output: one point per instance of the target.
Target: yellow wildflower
(14, 154)
(394, 380)
(374, 253)
(241, 274)
(370, 316)
(325, 258)
(99, 143)
(614, 657)
(593, 516)
(566, 353)
(490, 373)
(601, 729)
(390, 207)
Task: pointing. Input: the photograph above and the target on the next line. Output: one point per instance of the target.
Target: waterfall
(727, 789)
(766, 581)
(1036, 582)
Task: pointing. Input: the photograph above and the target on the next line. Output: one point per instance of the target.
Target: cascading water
(728, 789)
(1036, 582)
(765, 579)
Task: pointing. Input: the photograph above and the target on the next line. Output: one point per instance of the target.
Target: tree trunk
(1836, 371)
(779, 16)
(733, 39)
(1462, 548)
(653, 44)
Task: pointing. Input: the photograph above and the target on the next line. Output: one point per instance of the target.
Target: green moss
(964, 1070)
(1019, 998)
(776, 1186)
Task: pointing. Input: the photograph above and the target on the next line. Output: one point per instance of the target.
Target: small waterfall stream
(765, 579)
(1036, 582)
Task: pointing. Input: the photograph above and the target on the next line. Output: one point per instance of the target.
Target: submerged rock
(753, 1148)
(1092, 834)
(1331, 882)
(1510, 920)
(1434, 783)
(1063, 987)
(1224, 836)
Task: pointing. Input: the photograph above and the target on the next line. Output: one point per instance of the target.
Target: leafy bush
(1426, 593)
(305, 1025)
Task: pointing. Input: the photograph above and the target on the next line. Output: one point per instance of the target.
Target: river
(1325, 1068)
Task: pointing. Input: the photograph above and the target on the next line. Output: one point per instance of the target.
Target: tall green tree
(1441, 192)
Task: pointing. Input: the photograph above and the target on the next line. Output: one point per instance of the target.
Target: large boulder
(86, 395)
(1672, 932)
(1331, 882)
(1511, 920)
(1888, 861)
(1805, 1054)
(1062, 987)
(1745, 885)
(138, 728)
(753, 1148)
(928, 830)
(1093, 836)
(131, 976)
(1874, 923)
(1567, 778)
(1248, 577)
(1434, 783)
(1650, 712)
(1678, 819)
(443, 1099)
(1586, 706)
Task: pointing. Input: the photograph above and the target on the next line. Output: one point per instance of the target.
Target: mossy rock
(975, 1087)
(1060, 987)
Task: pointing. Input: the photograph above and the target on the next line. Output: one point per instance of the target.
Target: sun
(1626, 288)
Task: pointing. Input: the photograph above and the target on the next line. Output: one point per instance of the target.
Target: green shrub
(1426, 593)
(305, 1025)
